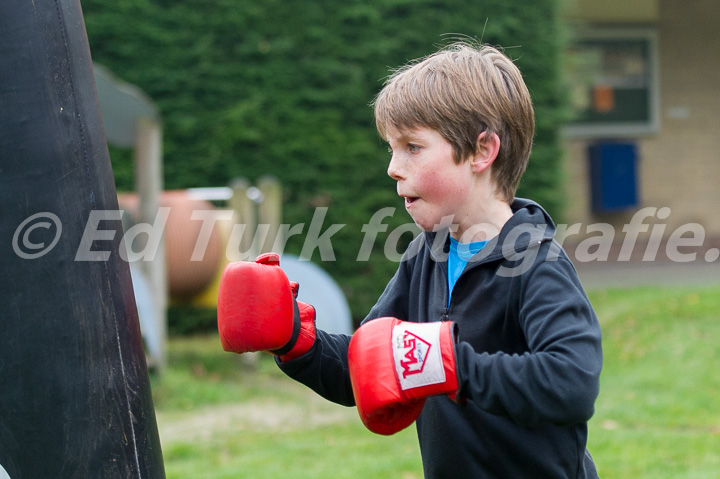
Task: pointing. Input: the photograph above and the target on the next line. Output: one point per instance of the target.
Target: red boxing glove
(395, 365)
(257, 310)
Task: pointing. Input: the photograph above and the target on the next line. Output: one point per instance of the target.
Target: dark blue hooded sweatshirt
(528, 358)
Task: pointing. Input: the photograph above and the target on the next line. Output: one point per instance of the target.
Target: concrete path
(597, 275)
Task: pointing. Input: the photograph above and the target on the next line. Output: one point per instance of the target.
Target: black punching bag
(75, 396)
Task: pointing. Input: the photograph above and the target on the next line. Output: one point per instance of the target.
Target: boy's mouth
(409, 200)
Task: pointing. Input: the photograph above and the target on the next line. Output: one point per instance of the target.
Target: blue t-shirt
(460, 254)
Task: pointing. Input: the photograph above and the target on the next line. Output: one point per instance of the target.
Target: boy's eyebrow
(405, 136)
(400, 140)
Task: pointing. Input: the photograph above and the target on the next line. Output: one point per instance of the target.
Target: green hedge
(187, 320)
(282, 87)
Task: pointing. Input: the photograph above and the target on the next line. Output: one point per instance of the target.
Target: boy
(484, 336)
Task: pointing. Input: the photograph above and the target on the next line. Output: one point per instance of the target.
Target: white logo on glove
(417, 355)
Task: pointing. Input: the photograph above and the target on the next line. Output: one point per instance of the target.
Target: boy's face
(437, 191)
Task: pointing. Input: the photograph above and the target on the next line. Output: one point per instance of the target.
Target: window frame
(622, 129)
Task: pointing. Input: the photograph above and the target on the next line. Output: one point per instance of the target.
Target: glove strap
(295, 333)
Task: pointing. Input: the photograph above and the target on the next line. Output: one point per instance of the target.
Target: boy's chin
(422, 226)
(429, 227)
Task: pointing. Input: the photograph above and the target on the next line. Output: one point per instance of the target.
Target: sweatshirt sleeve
(324, 368)
(557, 379)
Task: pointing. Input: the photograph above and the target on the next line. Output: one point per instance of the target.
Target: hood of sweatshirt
(529, 227)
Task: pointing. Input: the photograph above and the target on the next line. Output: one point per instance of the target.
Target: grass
(658, 414)
(222, 416)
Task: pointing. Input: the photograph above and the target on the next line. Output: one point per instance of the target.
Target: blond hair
(461, 91)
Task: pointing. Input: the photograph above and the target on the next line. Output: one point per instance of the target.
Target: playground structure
(173, 273)
(200, 239)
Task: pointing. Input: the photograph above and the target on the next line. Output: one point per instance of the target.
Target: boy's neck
(485, 228)
(483, 220)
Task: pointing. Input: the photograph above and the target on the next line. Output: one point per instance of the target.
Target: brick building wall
(679, 167)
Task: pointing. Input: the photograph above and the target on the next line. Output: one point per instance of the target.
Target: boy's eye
(413, 148)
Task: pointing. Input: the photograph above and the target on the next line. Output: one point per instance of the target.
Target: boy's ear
(488, 146)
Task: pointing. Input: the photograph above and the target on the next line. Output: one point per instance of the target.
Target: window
(613, 83)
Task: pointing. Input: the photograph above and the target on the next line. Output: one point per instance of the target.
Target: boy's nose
(393, 170)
